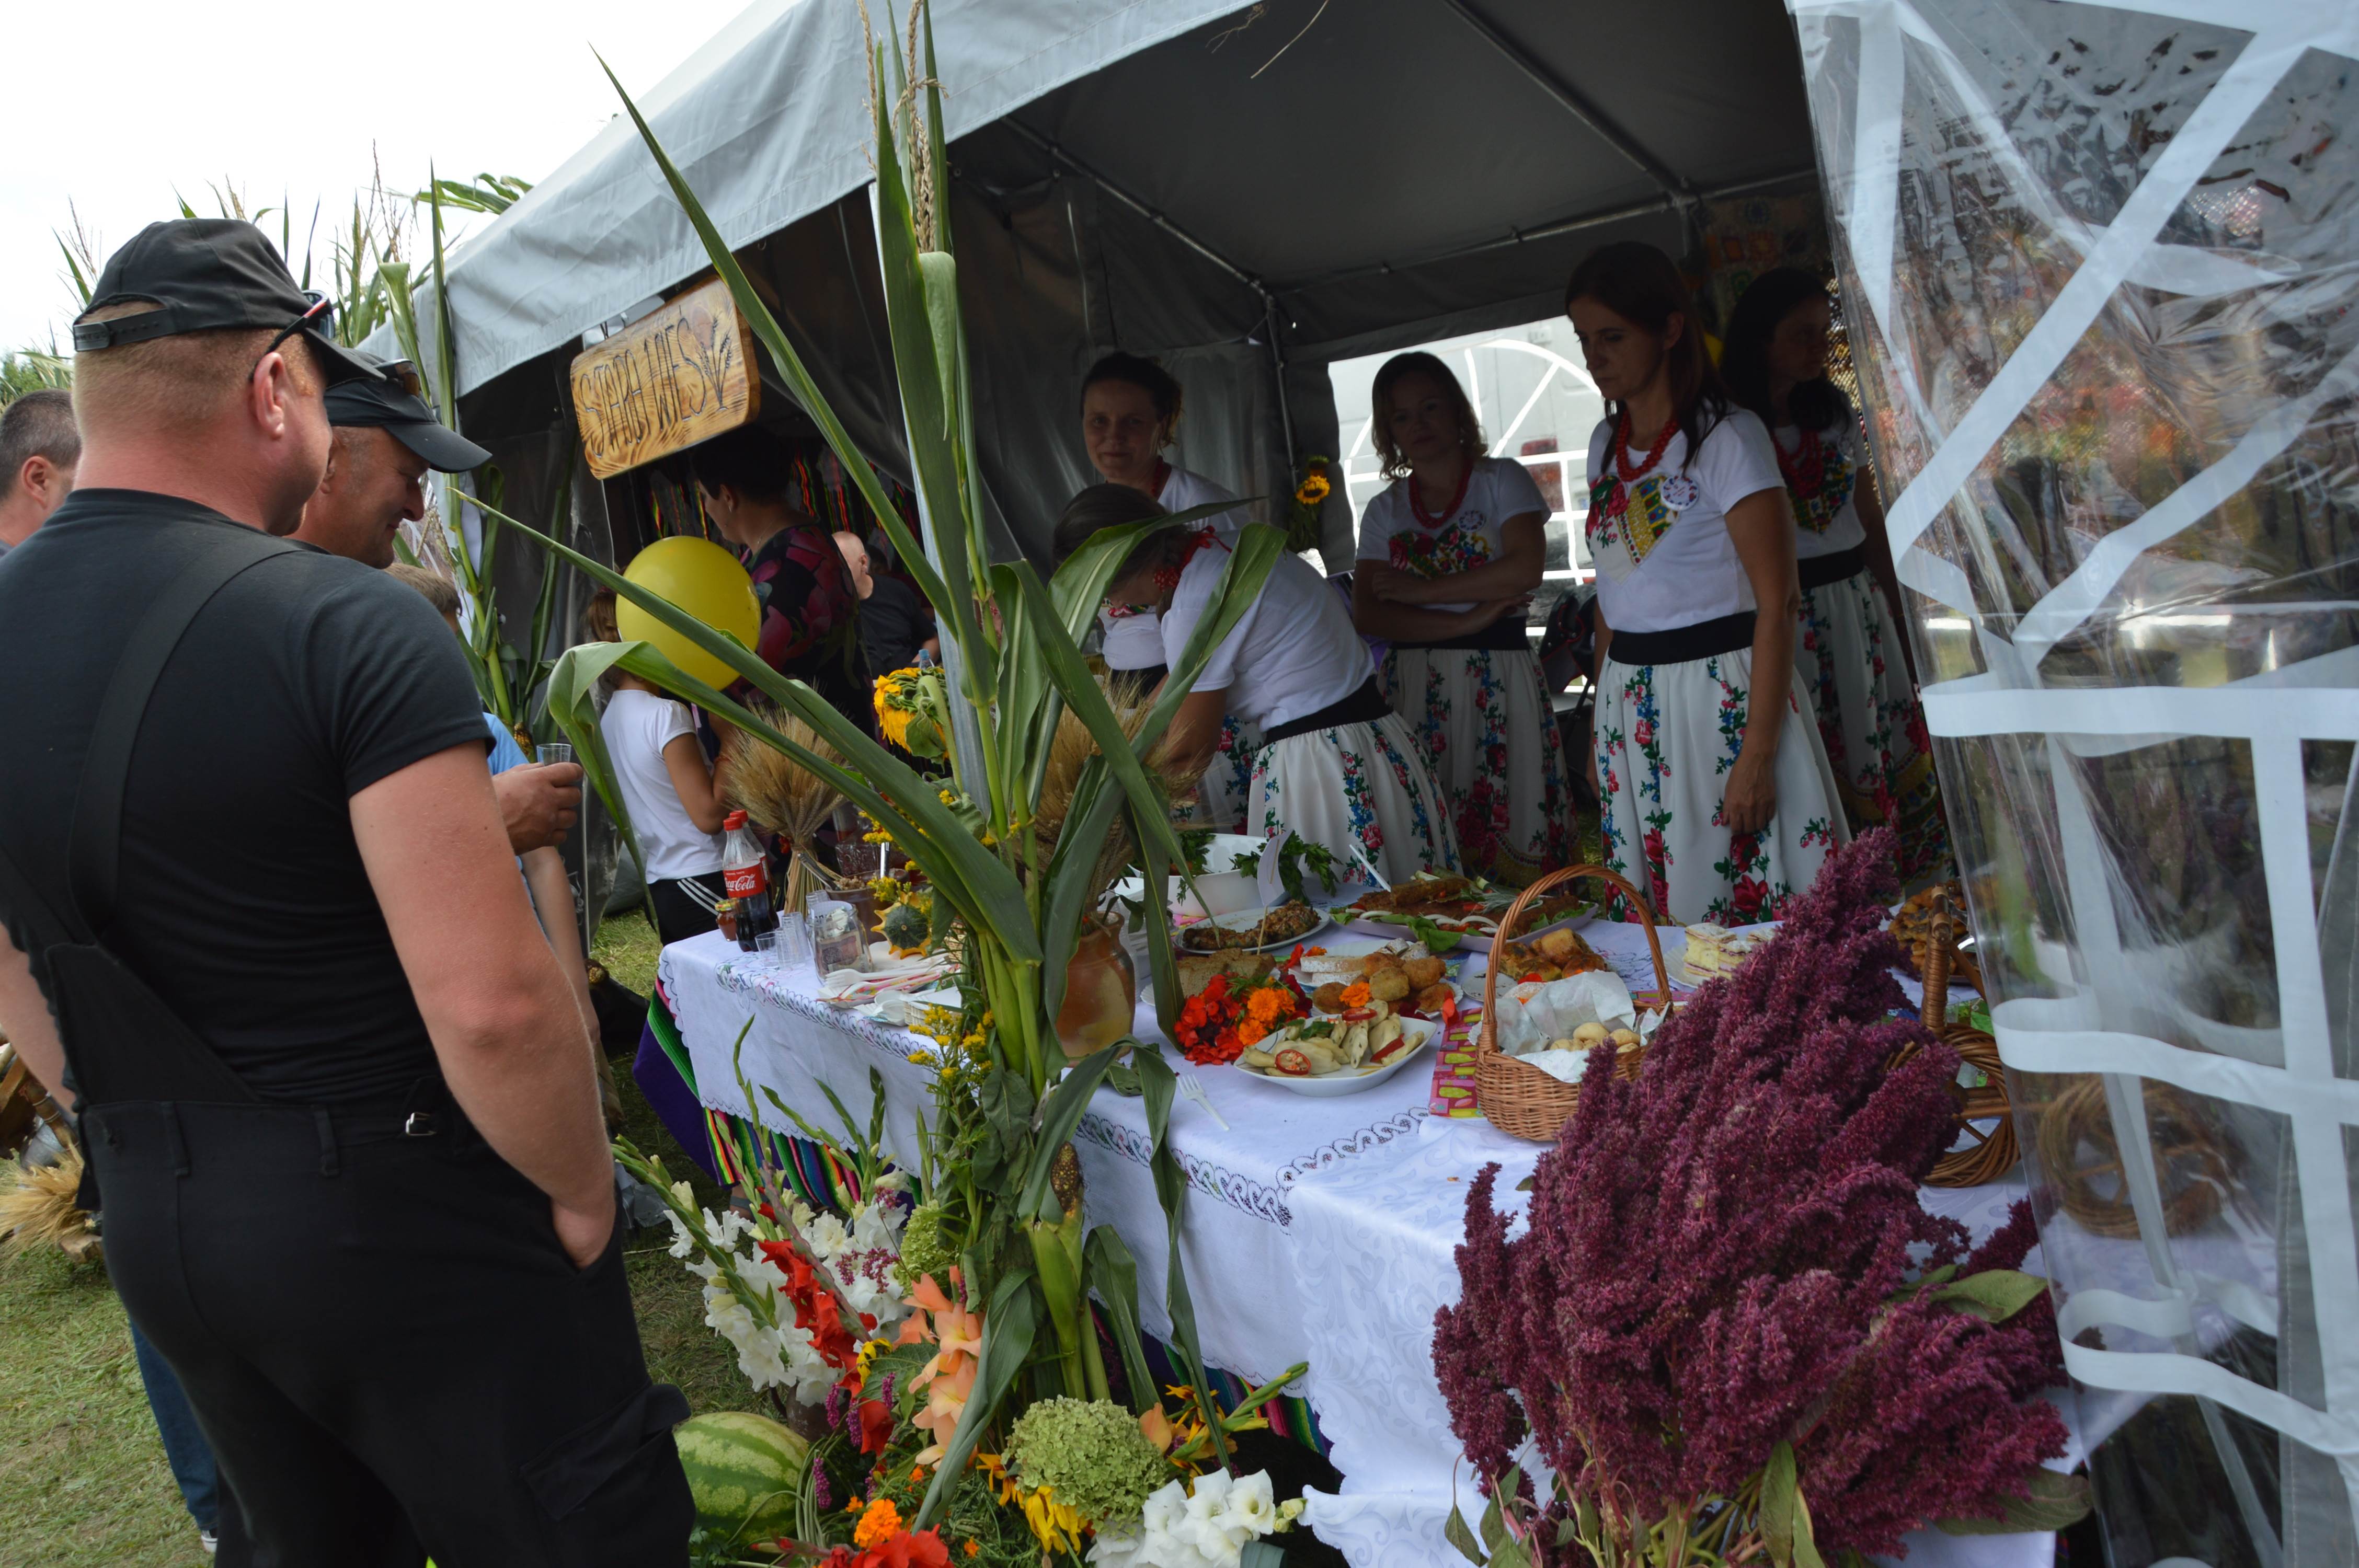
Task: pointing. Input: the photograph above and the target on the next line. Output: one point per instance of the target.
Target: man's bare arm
(510, 1038)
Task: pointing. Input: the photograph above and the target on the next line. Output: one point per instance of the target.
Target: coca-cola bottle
(746, 868)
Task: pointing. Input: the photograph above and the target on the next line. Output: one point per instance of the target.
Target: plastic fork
(1193, 1088)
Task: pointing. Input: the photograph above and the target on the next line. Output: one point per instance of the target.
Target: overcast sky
(116, 109)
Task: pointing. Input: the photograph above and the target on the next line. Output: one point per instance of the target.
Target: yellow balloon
(700, 577)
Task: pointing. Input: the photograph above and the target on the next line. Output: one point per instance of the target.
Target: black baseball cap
(207, 272)
(388, 397)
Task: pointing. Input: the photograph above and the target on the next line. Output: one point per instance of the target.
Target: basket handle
(1941, 933)
(1486, 1038)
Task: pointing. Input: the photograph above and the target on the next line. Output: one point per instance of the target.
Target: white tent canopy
(1165, 176)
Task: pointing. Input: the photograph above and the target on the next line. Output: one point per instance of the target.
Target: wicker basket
(1993, 1152)
(1518, 1097)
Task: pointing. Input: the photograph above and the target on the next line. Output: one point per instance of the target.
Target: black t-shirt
(893, 622)
(242, 901)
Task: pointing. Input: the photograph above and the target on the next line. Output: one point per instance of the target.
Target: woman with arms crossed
(1709, 799)
(1448, 556)
(1130, 414)
(1852, 657)
(1336, 767)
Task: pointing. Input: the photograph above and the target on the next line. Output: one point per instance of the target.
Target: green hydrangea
(924, 1250)
(1092, 1454)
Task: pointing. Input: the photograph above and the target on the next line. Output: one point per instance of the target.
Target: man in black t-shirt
(356, 1186)
(894, 623)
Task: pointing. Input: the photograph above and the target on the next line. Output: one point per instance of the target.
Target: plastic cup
(550, 751)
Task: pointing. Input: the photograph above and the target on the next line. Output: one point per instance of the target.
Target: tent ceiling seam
(1673, 185)
(1550, 230)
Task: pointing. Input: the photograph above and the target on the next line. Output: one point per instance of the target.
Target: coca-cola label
(745, 882)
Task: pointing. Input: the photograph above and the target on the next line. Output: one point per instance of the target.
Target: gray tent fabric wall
(1403, 171)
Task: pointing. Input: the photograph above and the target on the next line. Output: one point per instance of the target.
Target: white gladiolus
(1207, 1529)
(1251, 1507)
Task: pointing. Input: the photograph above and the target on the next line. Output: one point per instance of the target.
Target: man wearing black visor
(266, 935)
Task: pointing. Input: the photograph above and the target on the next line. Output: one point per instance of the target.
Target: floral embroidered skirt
(1221, 794)
(1360, 790)
(1667, 736)
(1848, 656)
(1488, 735)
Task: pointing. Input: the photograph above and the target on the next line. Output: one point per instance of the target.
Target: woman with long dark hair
(1130, 414)
(1852, 658)
(1709, 799)
(1335, 765)
(1448, 557)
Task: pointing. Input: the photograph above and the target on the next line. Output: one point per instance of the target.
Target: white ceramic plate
(1246, 920)
(1354, 1080)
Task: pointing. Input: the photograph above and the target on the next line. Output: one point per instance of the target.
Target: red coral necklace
(1426, 520)
(1167, 577)
(1654, 454)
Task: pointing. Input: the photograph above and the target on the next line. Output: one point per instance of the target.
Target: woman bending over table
(1447, 557)
(1852, 658)
(1335, 765)
(1130, 413)
(1709, 799)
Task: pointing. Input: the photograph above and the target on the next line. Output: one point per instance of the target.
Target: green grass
(82, 1478)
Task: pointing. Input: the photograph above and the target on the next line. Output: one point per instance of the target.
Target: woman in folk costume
(1335, 766)
(1130, 414)
(1851, 656)
(1448, 558)
(1715, 793)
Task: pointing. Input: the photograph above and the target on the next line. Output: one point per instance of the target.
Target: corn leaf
(1058, 1115)
(1113, 1274)
(904, 802)
(573, 702)
(790, 367)
(1157, 1086)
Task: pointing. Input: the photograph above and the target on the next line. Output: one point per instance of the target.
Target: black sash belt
(1817, 571)
(1682, 644)
(1364, 705)
(1504, 635)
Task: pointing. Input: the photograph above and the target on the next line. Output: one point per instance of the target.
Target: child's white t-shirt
(1293, 652)
(1132, 642)
(1662, 551)
(1825, 504)
(638, 726)
(1474, 535)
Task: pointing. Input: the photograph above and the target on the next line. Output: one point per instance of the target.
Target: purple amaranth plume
(1716, 1246)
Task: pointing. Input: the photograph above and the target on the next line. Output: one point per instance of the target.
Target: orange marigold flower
(1357, 994)
(878, 1524)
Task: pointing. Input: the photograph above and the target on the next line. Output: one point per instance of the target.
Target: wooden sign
(680, 375)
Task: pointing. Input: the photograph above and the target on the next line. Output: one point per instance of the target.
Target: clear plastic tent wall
(2101, 269)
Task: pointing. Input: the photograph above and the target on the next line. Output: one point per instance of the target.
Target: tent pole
(1278, 367)
(1576, 104)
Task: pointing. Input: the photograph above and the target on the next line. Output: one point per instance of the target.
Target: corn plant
(511, 678)
(1020, 669)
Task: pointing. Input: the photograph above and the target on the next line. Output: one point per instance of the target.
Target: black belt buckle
(419, 1124)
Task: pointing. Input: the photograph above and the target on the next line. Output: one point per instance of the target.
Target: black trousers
(678, 916)
(385, 1344)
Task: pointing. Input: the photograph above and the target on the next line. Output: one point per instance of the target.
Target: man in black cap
(267, 932)
(383, 440)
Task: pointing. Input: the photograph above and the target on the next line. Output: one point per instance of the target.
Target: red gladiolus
(875, 1425)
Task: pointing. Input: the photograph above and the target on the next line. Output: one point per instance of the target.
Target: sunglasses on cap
(319, 317)
(404, 378)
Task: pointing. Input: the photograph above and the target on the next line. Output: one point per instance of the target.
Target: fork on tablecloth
(1193, 1088)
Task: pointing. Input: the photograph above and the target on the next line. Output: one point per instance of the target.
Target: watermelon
(740, 1464)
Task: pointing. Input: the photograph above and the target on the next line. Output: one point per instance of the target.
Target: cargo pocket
(613, 1489)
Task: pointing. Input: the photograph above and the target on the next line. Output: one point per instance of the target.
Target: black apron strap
(94, 852)
(123, 1041)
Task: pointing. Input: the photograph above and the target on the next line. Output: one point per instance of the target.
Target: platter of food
(1344, 1054)
(1402, 976)
(1437, 907)
(1549, 955)
(1259, 930)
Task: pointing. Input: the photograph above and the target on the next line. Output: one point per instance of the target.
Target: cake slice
(1714, 951)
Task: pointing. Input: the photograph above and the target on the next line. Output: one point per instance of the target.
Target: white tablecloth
(1315, 1230)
